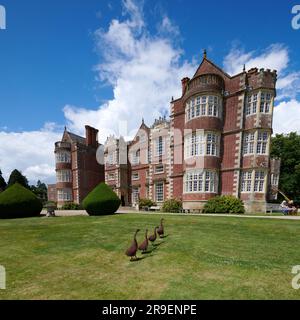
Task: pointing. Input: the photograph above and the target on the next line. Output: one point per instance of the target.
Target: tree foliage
(17, 176)
(2, 182)
(287, 148)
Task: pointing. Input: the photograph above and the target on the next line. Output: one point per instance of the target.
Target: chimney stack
(184, 83)
(91, 136)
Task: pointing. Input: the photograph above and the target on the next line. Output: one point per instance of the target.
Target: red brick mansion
(217, 142)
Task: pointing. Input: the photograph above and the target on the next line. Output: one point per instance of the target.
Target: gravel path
(70, 213)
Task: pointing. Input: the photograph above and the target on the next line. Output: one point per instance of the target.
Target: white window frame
(157, 167)
(159, 191)
(135, 195)
(111, 176)
(64, 176)
(201, 143)
(135, 157)
(256, 142)
(201, 181)
(64, 195)
(159, 146)
(259, 102)
(135, 176)
(63, 157)
(253, 181)
(203, 106)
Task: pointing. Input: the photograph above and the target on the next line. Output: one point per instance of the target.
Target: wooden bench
(154, 208)
(273, 207)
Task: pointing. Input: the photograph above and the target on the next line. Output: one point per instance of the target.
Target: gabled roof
(207, 66)
(72, 137)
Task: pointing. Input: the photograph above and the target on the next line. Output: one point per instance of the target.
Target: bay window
(253, 181)
(64, 195)
(201, 143)
(200, 181)
(64, 176)
(203, 106)
(256, 142)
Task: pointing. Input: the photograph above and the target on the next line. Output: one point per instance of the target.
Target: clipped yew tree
(19, 202)
(101, 201)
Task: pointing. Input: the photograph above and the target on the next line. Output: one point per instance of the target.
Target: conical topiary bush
(101, 201)
(19, 202)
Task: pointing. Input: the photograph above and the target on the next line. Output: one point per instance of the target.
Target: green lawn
(201, 258)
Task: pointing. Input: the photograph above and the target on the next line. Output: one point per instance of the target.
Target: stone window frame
(111, 176)
(135, 157)
(195, 181)
(200, 105)
(135, 195)
(159, 171)
(255, 181)
(197, 144)
(64, 194)
(251, 109)
(63, 157)
(159, 146)
(275, 179)
(135, 176)
(63, 176)
(159, 194)
(255, 146)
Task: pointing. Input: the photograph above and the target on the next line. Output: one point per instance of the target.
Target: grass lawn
(201, 258)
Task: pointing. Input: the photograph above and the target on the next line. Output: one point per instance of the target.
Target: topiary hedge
(101, 201)
(224, 204)
(172, 205)
(19, 202)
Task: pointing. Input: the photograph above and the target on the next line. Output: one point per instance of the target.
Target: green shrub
(172, 205)
(146, 203)
(50, 204)
(224, 204)
(19, 202)
(71, 206)
(101, 201)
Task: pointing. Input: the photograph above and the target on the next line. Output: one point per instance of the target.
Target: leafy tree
(40, 190)
(287, 148)
(2, 182)
(16, 176)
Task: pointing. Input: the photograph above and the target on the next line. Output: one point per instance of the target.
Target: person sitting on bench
(284, 207)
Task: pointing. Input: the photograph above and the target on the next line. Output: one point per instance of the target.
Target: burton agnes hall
(215, 142)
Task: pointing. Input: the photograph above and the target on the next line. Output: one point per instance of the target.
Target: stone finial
(204, 54)
(244, 68)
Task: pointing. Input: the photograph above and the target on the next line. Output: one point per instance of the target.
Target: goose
(144, 245)
(131, 251)
(152, 238)
(161, 229)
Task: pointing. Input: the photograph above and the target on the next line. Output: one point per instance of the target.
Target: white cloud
(275, 57)
(287, 117)
(144, 71)
(31, 152)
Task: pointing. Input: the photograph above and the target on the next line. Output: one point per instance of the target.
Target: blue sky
(66, 62)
